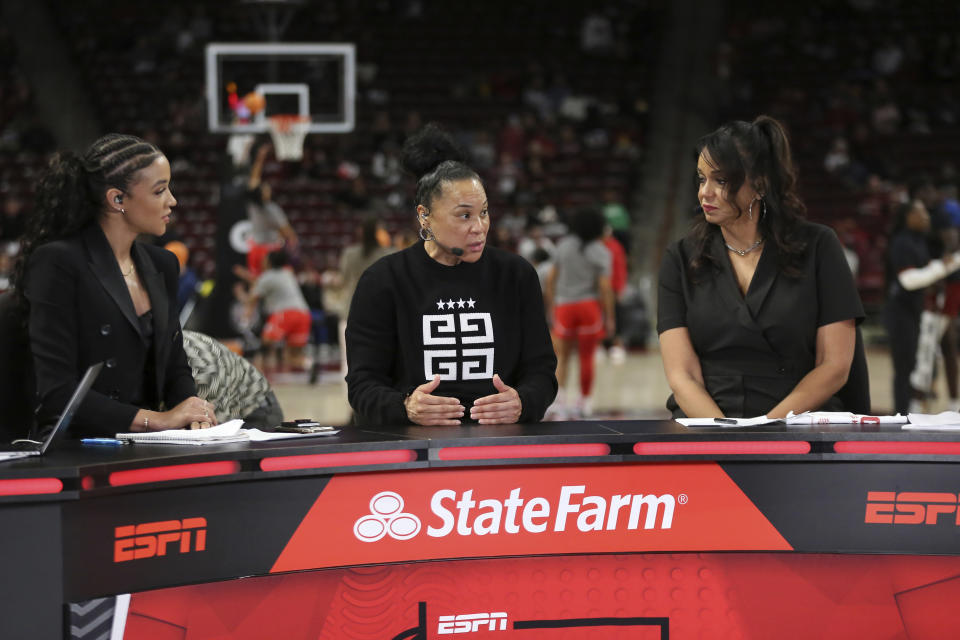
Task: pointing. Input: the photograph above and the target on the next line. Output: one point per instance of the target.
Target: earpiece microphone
(118, 199)
(457, 251)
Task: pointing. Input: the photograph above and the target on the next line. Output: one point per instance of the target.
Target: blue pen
(103, 441)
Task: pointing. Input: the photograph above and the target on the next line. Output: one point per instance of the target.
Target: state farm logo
(911, 507)
(386, 518)
(136, 542)
(460, 513)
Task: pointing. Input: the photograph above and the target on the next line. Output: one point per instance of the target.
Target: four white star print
(449, 304)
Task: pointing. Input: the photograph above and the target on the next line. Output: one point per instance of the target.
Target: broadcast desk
(603, 529)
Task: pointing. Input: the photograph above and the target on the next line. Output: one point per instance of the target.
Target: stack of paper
(945, 421)
(808, 418)
(840, 417)
(727, 422)
(231, 431)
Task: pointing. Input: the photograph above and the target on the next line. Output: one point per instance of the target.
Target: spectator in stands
(733, 339)
(354, 260)
(270, 228)
(188, 282)
(94, 294)
(910, 270)
(406, 362)
(13, 221)
(617, 216)
(943, 238)
(311, 286)
(618, 283)
(534, 239)
(542, 261)
(596, 34)
(8, 252)
(582, 303)
(355, 197)
(288, 315)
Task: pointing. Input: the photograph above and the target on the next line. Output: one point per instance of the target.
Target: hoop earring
(122, 212)
(425, 234)
(763, 210)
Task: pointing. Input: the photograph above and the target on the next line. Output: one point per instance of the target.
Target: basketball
(255, 102)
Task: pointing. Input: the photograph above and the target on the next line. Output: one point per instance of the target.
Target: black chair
(855, 394)
(17, 385)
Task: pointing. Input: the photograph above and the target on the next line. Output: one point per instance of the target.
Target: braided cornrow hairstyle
(70, 192)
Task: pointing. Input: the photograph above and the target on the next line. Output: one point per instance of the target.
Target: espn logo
(135, 542)
(910, 507)
(470, 622)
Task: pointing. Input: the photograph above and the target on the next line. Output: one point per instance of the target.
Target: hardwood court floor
(635, 389)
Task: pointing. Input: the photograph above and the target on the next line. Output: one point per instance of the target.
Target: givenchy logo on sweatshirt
(458, 346)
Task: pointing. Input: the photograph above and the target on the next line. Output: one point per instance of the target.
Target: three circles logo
(386, 518)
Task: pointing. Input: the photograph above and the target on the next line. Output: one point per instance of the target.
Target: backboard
(306, 79)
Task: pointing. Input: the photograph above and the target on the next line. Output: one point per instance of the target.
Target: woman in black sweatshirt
(448, 330)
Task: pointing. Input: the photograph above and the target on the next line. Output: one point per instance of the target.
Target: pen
(725, 420)
(103, 441)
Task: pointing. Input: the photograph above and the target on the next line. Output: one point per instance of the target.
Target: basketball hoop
(288, 133)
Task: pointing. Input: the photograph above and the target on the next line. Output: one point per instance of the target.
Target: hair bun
(426, 149)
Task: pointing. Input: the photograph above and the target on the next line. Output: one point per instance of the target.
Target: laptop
(65, 419)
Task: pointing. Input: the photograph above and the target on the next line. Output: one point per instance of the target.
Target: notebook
(65, 418)
(220, 434)
(230, 431)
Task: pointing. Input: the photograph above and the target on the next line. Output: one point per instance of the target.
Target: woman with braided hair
(757, 307)
(91, 293)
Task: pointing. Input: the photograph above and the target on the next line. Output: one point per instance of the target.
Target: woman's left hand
(500, 408)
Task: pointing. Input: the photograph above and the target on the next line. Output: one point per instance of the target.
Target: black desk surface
(86, 470)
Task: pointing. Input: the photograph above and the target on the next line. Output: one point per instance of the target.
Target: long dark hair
(758, 151)
(70, 192)
(433, 157)
(587, 224)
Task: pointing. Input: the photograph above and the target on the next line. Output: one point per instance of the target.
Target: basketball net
(288, 133)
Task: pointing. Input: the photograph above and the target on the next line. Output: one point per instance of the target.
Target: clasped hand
(424, 408)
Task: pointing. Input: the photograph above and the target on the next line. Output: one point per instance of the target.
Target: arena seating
(826, 69)
(466, 67)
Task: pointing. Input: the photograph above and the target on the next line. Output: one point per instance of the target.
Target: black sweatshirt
(412, 317)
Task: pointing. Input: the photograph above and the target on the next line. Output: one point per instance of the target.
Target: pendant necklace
(743, 252)
(132, 266)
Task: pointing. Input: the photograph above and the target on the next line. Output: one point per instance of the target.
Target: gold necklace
(128, 273)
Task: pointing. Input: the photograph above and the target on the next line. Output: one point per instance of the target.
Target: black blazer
(16, 371)
(754, 349)
(81, 313)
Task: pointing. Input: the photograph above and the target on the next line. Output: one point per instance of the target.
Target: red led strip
(524, 451)
(886, 447)
(174, 472)
(30, 486)
(350, 459)
(739, 447)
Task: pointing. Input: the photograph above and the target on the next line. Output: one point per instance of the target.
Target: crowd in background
(868, 87)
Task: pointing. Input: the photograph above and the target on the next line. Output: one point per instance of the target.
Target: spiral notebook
(230, 431)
